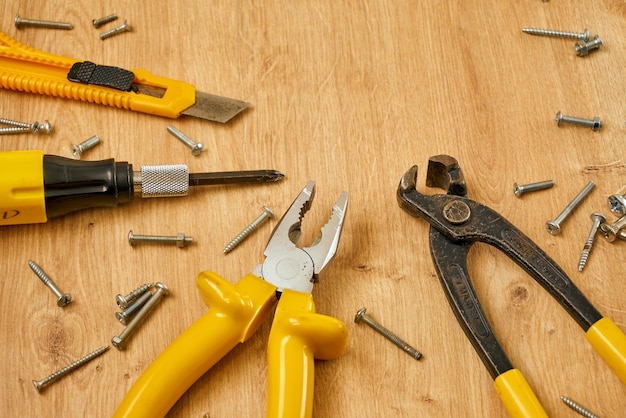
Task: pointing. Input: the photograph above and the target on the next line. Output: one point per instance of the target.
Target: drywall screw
(597, 219)
(196, 148)
(34, 127)
(64, 298)
(124, 301)
(267, 214)
(41, 384)
(124, 27)
(558, 33)
(617, 204)
(578, 408)
(583, 47)
(180, 239)
(120, 341)
(361, 316)
(520, 189)
(612, 231)
(78, 150)
(554, 226)
(129, 312)
(595, 124)
(103, 20)
(23, 23)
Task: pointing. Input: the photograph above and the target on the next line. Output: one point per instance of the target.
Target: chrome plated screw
(180, 240)
(267, 214)
(103, 20)
(124, 301)
(41, 384)
(578, 408)
(125, 27)
(63, 298)
(129, 312)
(23, 23)
(617, 204)
(196, 148)
(554, 227)
(361, 316)
(583, 47)
(558, 33)
(12, 130)
(78, 150)
(614, 230)
(595, 124)
(520, 189)
(121, 341)
(597, 219)
(34, 127)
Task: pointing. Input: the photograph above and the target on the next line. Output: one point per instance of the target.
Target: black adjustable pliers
(456, 223)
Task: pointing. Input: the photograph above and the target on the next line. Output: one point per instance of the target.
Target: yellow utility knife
(26, 69)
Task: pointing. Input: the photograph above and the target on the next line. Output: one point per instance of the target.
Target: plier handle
(456, 223)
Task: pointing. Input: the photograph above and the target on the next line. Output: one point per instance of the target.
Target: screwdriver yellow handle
(610, 342)
(518, 398)
(26, 69)
(299, 336)
(22, 199)
(235, 312)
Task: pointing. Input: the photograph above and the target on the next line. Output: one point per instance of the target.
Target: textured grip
(164, 180)
(101, 75)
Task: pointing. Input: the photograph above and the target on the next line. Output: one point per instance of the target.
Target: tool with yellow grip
(456, 223)
(298, 335)
(26, 69)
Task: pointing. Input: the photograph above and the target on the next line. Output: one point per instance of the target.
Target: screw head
(64, 300)
(268, 211)
(558, 118)
(118, 343)
(598, 216)
(162, 287)
(197, 149)
(131, 238)
(44, 127)
(517, 190)
(553, 227)
(359, 315)
(597, 124)
(77, 150)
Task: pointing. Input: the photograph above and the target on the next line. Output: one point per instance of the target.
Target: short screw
(34, 127)
(78, 150)
(617, 204)
(180, 240)
(124, 27)
(554, 226)
(120, 341)
(578, 408)
(124, 301)
(103, 20)
(267, 214)
(595, 124)
(520, 189)
(196, 148)
(129, 312)
(23, 23)
(614, 230)
(583, 47)
(41, 384)
(597, 219)
(558, 33)
(64, 298)
(361, 316)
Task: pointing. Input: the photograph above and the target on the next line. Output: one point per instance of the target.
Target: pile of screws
(582, 47)
(15, 127)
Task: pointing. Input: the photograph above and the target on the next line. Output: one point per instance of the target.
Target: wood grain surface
(350, 94)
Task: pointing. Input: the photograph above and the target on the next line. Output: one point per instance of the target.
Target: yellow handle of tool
(610, 342)
(235, 312)
(22, 199)
(299, 336)
(518, 398)
(26, 69)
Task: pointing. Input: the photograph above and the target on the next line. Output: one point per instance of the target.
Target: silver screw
(129, 312)
(558, 33)
(124, 27)
(64, 298)
(78, 150)
(103, 20)
(41, 384)
(23, 23)
(520, 189)
(267, 214)
(554, 227)
(583, 47)
(614, 230)
(578, 408)
(34, 127)
(595, 124)
(597, 219)
(361, 316)
(617, 204)
(180, 240)
(124, 301)
(12, 130)
(196, 148)
(120, 341)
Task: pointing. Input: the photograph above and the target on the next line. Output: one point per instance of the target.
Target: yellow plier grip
(610, 342)
(517, 396)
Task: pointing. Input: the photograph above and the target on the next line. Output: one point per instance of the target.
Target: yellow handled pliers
(298, 334)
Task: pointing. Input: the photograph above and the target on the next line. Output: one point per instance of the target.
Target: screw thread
(597, 220)
(267, 214)
(124, 301)
(41, 274)
(10, 122)
(361, 316)
(578, 408)
(122, 28)
(11, 130)
(557, 33)
(103, 20)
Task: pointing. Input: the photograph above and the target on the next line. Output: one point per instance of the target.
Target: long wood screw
(578, 408)
(267, 214)
(557, 33)
(554, 226)
(63, 298)
(20, 23)
(361, 316)
(597, 219)
(34, 127)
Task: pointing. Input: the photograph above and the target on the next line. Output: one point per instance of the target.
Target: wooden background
(350, 94)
